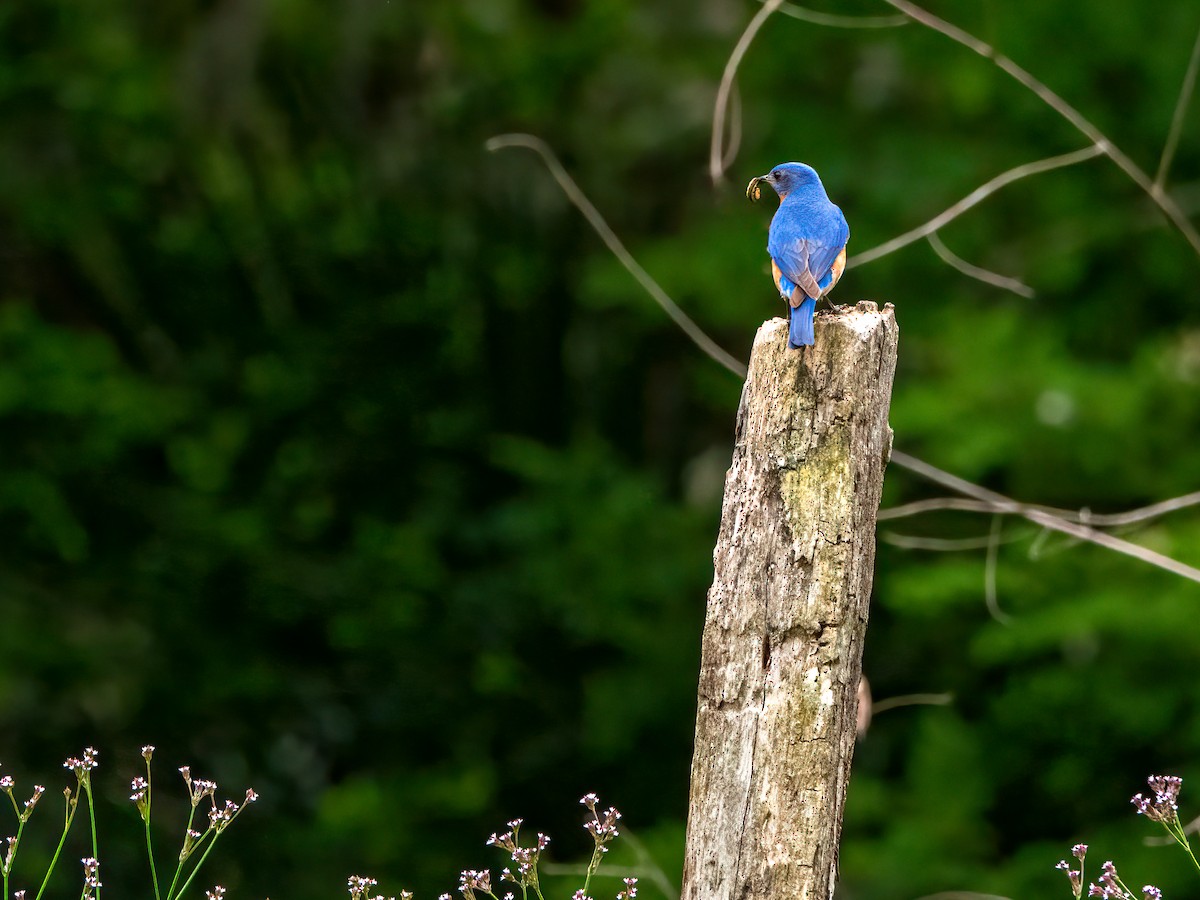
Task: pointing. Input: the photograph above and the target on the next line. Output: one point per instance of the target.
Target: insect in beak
(753, 190)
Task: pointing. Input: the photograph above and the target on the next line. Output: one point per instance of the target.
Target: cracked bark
(787, 611)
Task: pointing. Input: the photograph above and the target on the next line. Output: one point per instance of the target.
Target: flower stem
(71, 807)
(203, 857)
(87, 786)
(179, 867)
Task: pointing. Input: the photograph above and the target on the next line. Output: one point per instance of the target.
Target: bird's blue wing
(804, 241)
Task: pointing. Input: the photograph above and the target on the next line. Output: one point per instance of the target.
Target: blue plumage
(806, 243)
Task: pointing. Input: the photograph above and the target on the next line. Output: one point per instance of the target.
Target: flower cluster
(91, 877)
(1079, 851)
(603, 826)
(81, 767)
(524, 858)
(474, 884)
(217, 892)
(360, 887)
(1164, 807)
(38, 790)
(200, 788)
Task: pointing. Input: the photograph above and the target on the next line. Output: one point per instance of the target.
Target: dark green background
(340, 459)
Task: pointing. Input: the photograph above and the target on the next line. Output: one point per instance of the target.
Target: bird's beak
(753, 191)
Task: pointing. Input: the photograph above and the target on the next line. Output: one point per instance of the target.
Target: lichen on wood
(787, 611)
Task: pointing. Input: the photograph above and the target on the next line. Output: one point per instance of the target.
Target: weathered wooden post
(787, 612)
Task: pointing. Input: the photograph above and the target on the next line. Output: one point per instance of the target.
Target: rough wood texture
(787, 612)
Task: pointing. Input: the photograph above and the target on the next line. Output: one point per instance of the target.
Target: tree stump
(787, 611)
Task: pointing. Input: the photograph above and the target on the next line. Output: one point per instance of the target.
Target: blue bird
(806, 243)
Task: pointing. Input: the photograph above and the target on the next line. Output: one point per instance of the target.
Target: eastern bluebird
(806, 243)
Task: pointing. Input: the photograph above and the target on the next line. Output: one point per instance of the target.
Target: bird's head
(784, 178)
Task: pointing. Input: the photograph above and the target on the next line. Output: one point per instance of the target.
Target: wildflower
(251, 796)
(38, 790)
(1163, 808)
(603, 829)
(19, 895)
(580, 895)
(1109, 887)
(590, 801)
(148, 754)
(359, 885)
(216, 893)
(471, 880)
(220, 817)
(139, 788)
(91, 877)
(1079, 851)
(1075, 875)
(1150, 892)
(8, 857)
(6, 784)
(202, 788)
(82, 766)
(630, 889)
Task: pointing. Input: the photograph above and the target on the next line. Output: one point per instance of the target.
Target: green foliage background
(341, 460)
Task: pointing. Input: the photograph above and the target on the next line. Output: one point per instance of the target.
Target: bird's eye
(777, 174)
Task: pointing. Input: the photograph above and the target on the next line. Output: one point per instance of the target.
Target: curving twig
(1181, 105)
(831, 20)
(991, 601)
(911, 700)
(716, 153)
(581, 202)
(950, 258)
(974, 198)
(999, 504)
(1064, 109)
(944, 545)
(1080, 516)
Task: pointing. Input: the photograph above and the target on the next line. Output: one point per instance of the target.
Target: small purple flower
(1150, 892)
(1163, 808)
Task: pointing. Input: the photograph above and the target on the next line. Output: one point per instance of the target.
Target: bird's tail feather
(800, 324)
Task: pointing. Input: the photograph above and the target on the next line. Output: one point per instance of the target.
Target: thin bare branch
(716, 153)
(804, 14)
(945, 545)
(989, 575)
(1064, 109)
(1081, 516)
(1181, 105)
(581, 202)
(911, 700)
(974, 198)
(735, 128)
(1001, 281)
(999, 504)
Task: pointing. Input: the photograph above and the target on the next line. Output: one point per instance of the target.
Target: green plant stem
(58, 850)
(1176, 831)
(203, 857)
(87, 787)
(150, 855)
(179, 867)
(591, 869)
(16, 844)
